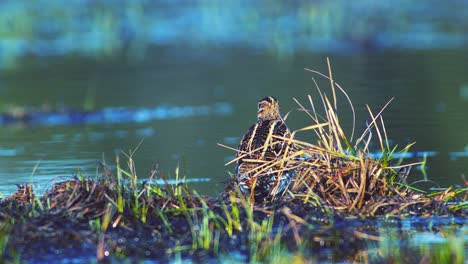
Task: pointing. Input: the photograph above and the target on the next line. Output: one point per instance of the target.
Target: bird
(259, 148)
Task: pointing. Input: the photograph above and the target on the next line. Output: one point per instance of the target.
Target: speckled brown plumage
(257, 147)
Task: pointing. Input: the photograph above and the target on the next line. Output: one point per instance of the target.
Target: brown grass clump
(24, 195)
(78, 197)
(339, 173)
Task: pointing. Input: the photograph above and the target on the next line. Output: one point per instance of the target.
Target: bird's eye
(259, 105)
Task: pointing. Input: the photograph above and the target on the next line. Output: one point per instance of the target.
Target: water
(137, 58)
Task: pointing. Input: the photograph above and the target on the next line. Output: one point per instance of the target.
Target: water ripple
(118, 115)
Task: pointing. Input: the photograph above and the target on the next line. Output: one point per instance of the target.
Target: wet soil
(79, 219)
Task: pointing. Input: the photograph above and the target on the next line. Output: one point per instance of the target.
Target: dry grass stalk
(342, 176)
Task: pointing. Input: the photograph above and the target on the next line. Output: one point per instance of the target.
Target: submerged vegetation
(342, 206)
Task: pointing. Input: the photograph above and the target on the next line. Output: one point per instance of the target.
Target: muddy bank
(102, 219)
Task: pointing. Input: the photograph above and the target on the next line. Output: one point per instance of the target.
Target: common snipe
(258, 148)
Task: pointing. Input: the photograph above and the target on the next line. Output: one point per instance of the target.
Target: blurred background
(82, 82)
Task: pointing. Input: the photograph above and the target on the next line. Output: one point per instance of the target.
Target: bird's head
(268, 109)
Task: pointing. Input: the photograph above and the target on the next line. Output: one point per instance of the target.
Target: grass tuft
(338, 172)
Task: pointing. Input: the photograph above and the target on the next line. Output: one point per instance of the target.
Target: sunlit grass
(4, 236)
(210, 224)
(337, 171)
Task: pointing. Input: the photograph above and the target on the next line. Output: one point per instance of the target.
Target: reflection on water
(185, 77)
(103, 28)
(115, 115)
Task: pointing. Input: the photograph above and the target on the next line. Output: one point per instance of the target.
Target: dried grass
(339, 171)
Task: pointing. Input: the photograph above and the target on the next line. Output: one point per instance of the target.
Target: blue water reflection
(97, 29)
(117, 115)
